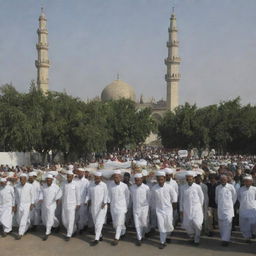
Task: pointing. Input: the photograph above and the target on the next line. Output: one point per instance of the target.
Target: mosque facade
(119, 89)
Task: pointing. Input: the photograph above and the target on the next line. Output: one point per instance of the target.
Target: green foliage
(227, 127)
(126, 125)
(57, 122)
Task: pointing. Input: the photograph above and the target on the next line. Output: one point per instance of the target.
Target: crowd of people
(149, 190)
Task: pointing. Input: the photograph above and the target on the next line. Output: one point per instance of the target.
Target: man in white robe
(24, 203)
(140, 195)
(164, 198)
(49, 196)
(7, 203)
(191, 208)
(152, 211)
(119, 196)
(225, 199)
(198, 180)
(169, 180)
(70, 203)
(247, 212)
(97, 199)
(82, 212)
(35, 213)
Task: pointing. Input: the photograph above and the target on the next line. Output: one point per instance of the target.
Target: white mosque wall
(15, 158)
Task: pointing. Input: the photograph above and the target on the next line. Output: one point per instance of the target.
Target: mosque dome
(118, 89)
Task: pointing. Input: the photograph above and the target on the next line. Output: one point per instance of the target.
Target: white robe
(70, 199)
(7, 201)
(140, 196)
(119, 196)
(49, 195)
(24, 197)
(97, 195)
(191, 204)
(82, 212)
(225, 198)
(163, 198)
(206, 202)
(247, 211)
(35, 217)
(174, 184)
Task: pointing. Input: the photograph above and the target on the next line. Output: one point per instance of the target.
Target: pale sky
(90, 41)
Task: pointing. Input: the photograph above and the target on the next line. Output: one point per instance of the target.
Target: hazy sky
(90, 41)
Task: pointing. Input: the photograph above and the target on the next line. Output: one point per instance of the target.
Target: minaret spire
(42, 63)
(173, 65)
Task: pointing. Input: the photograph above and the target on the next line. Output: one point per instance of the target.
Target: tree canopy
(57, 122)
(227, 127)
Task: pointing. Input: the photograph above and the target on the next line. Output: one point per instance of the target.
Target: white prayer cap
(190, 173)
(98, 174)
(49, 176)
(3, 179)
(69, 172)
(247, 177)
(71, 167)
(138, 175)
(31, 174)
(160, 173)
(53, 173)
(23, 175)
(117, 172)
(168, 171)
(81, 169)
(144, 173)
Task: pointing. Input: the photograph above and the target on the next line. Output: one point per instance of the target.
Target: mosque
(119, 89)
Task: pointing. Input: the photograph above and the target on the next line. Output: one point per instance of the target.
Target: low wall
(15, 158)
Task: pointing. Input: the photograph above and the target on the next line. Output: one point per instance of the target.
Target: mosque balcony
(42, 63)
(172, 77)
(42, 46)
(174, 29)
(42, 31)
(173, 43)
(172, 60)
(42, 81)
(42, 17)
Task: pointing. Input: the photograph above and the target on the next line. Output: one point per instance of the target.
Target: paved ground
(32, 245)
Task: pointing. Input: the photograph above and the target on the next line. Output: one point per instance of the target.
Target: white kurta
(174, 184)
(70, 199)
(119, 196)
(24, 197)
(97, 195)
(162, 198)
(140, 196)
(49, 195)
(225, 198)
(7, 201)
(35, 217)
(247, 211)
(82, 212)
(206, 202)
(191, 204)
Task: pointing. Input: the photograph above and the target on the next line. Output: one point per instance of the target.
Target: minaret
(172, 77)
(42, 62)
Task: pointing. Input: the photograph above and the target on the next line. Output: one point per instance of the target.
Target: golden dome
(118, 89)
